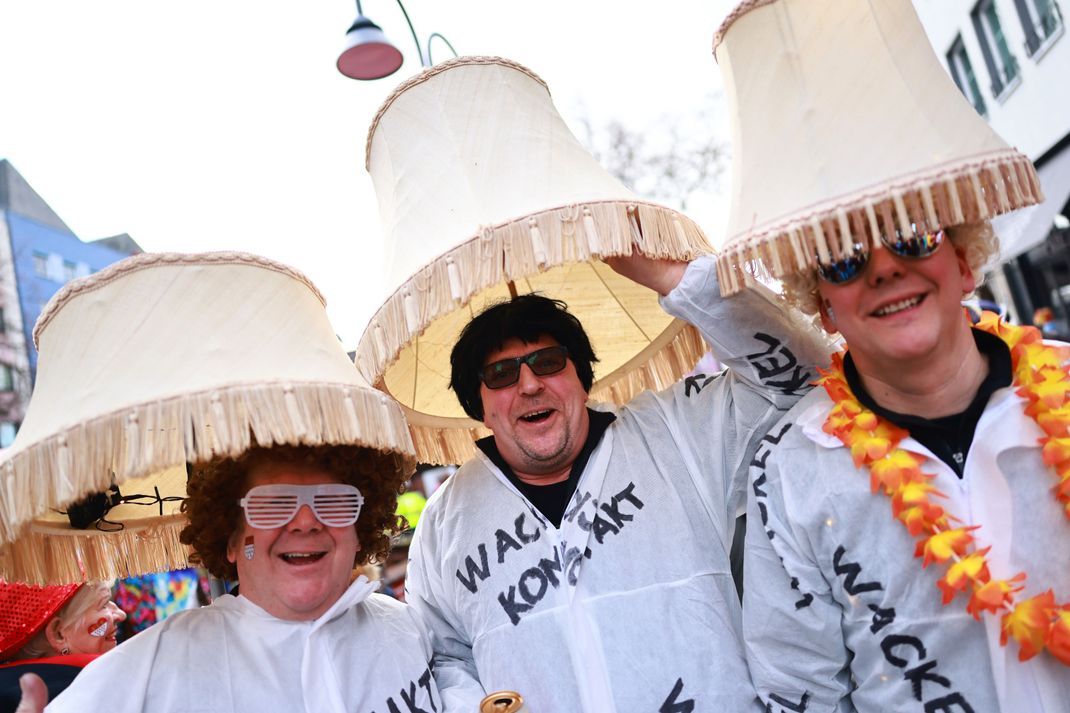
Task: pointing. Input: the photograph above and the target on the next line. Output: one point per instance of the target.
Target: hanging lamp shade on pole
(368, 54)
(483, 189)
(846, 126)
(158, 361)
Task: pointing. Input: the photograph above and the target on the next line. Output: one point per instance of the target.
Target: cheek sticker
(98, 629)
(248, 550)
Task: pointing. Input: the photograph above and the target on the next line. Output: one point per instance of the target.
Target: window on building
(1041, 20)
(40, 264)
(7, 378)
(7, 433)
(70, 270)
(1002, 66)
(962, 72)
(55, 267)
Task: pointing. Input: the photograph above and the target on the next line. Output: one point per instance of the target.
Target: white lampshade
(844, 126)
(480, 183)
(160, 360)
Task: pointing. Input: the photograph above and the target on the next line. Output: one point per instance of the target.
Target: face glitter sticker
(248, 548)
(99, 628)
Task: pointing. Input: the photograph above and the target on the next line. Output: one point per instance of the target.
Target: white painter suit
(629, 605)
(838, 612)
(367, 654)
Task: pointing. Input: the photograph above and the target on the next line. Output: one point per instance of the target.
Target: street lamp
(368, 54)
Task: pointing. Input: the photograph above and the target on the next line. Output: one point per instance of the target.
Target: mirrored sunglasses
(846, 269)
(271, 506)
(506, 372)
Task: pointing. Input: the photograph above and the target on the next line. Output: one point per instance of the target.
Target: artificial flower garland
(1043, 378)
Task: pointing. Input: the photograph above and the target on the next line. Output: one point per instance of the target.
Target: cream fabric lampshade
(160, 360)
(845, 125)
(481, 184)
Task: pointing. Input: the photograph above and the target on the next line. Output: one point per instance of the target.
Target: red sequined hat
(25, 609)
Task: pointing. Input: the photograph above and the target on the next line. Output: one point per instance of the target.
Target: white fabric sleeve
(454, 665)
(772, 356)
(767, 345)
(791, 625)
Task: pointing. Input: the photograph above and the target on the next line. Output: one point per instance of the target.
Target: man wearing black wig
(580, 541)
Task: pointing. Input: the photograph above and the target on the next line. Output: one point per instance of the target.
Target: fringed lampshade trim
(447, 446)
(517, 249)
(451, 441)
(150, 437)
(676, 351)
(59, 555)
(966, 193)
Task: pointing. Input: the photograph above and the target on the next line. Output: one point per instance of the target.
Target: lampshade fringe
(969, 193)
(46, 555)
(514, 250)
(196, 427)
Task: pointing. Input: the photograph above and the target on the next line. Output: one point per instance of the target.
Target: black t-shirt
(948, 437)
(551, 500)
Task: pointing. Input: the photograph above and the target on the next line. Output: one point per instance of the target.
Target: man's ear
(828, 317)
(969, 282)
(232, 548)
(482, 406)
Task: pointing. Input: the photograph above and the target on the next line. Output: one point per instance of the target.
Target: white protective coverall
(629, 605)
(366, 653)
(831, 573)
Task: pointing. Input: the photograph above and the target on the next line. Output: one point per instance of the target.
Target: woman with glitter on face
(53, 632)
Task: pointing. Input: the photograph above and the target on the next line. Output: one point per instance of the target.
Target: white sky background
(223, 124)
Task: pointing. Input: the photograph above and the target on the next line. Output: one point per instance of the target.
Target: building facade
(1011, 60)
(38, 255)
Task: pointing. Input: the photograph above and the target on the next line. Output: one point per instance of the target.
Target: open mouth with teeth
(899, 306)
(300, 558)
(536, 416)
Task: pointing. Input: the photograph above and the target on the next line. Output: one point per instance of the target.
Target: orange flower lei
(1043, 379)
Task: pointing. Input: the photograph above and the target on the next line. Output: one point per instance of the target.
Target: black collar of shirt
(948, 435)
(551, 501)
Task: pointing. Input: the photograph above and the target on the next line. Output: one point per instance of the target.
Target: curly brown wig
(214, 489)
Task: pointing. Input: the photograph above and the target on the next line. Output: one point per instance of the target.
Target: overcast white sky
(223, 124)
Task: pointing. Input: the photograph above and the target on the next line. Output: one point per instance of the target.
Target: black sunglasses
(506, 372)
(846, 269)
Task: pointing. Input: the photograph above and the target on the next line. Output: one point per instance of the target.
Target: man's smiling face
(540, 423)
(900, 311)
(297, 571)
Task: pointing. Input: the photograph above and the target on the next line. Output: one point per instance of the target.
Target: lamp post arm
(430, 62)
(415, 39)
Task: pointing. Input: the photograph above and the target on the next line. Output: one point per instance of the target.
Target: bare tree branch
(668, 162)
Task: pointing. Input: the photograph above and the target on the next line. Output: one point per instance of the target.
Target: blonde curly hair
(977, 241)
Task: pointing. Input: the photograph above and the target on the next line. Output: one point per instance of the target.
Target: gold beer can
(503, 702)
